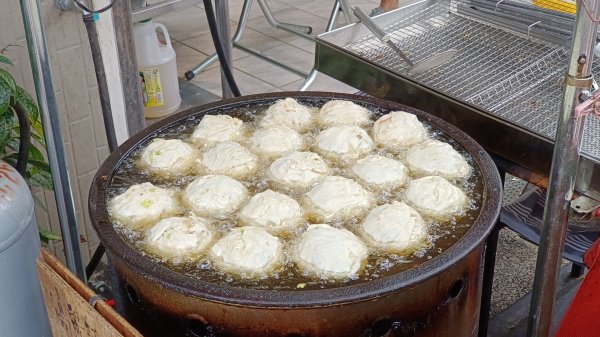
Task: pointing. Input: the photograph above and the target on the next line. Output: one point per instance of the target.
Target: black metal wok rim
(194, 287)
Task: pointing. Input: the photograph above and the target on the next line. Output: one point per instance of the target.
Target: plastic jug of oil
(157, 69)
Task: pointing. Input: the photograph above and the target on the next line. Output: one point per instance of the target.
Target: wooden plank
(132, 93)
(110, 58)
(69, 312)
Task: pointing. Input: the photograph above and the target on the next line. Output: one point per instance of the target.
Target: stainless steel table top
(509, 71)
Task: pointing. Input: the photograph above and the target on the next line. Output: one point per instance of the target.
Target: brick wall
(78, 103)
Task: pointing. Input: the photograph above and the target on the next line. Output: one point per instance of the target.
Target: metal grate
(487, 55)
(507, 73)
(590, 144)
(513, 188)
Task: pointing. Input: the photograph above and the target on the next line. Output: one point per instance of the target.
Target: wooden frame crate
(68, 304)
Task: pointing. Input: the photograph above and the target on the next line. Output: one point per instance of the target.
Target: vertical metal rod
(333, 17)
(40, 67)
(563, 172)
(222, 16)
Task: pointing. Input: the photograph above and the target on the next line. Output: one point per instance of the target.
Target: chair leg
(339, 5)
(488, 279)
(577, 270)
(347, 11)
(300, 30)
(333, 17)
(309, 80)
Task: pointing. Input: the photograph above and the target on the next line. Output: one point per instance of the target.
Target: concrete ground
(515, 261)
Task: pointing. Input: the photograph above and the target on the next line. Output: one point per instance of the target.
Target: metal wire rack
(590, 144)
(512, 68)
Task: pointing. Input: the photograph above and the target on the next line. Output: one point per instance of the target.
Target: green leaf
(8, 149)
(6, 124)
(35, 154)
(7, 79)
(39, 138)
(13, 144)
(46, 236)
(38, 172)
(28, 104)
(4, 59)
(40, 178)
(39, 203)
(10, 160)
(5, 94)
(37, 166)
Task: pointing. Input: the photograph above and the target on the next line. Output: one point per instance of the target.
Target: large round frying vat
(440, 297)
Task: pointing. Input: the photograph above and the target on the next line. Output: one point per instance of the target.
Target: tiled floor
(192, 42)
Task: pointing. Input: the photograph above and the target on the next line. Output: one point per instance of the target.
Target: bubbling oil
(287, 276)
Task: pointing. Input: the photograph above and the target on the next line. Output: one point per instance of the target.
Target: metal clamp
(579, 82)
(497, 3)
(94, 299)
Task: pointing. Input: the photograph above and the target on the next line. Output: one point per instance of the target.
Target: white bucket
(157, 70)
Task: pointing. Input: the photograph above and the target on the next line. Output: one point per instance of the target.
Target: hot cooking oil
(287, 276)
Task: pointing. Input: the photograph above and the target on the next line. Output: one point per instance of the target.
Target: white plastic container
(157, 70)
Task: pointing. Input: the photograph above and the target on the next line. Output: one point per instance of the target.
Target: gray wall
(77, 95)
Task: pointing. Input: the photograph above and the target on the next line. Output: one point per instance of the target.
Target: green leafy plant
(13, 97)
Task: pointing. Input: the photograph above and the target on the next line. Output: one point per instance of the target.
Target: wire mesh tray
(514, 74)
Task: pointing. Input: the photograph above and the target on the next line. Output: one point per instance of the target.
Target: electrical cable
(212, 24)
(24, 139)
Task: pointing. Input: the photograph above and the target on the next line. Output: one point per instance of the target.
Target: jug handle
(165, 33)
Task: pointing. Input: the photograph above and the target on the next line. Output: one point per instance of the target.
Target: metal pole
(40, 67)
(107, 117)
(222, 16)
(563, 171)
